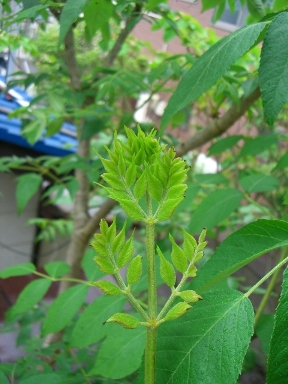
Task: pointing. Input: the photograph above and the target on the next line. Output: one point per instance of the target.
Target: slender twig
(270, 288)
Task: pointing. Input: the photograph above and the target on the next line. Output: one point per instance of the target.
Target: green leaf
(210, 178)
(119, 240)
(166, 270)
(108, 288)
(178, 256)
(167, 208)
(27, 186)
(153, 3)
(105, 265)
(127, 321)
(92, 273)
(277, 359)
(259, 144)
(132, 210)
(96, 14)
(125, 254)
(274, 61)
(89, 328)
(224, 144)
(69, 15)
(17, 270)
(239, 249)
(283, 162)
(3, 379)
(30, 296)
(210, 67)
(57, 268)
(222, 326)
(190, 296)
(64, 308)
(140, 186)
(43, 378)
(54, 126)
(33, 130)
(177, 311)
(134, 270)
(214, 208)
(259, 183)
(121, 353)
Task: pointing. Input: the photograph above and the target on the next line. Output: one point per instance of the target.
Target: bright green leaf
(178, 256)
(108, 288)
(57, 268)
(210, 67)
(177, 311)
(64, 308)
(214, 208)
(17, 270)
(166, 270)
(217, 329)
(121, 353)
(89, 328)
(239, 249)
(277, 359)
(30, 296)
(27, 186)
(125, 320)
(274, 61)
(134, 270)
(259, 183)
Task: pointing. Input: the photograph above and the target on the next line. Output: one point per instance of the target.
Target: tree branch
(129, 25)
(218, 126)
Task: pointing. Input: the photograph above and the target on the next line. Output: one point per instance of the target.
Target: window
(231, 21)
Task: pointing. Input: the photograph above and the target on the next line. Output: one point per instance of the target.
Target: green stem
(270, 288)
(63, 279)
(151, 335)
(279, 265)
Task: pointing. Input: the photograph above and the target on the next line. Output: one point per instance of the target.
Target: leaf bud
(127, 321)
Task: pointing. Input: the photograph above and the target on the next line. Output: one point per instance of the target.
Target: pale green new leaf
(125, 254)
(134, 270)
(30, 296)
(277, 359)
(121, 352)
(140, 186)
(239, 249)
(259, 183)
(125, 320)
(64, 308)
(89, 328)
(178, 256)
(210, 67)
(214, 208)
(217, 329)
(166, 270)
(273, 69)
(108, 288)
(69, 15)
(27, 186)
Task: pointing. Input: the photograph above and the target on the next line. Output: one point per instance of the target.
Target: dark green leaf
(214, 208)
(96, 14)
(217, 329)
(57, 268)
(64, 308)
(30, 296)
(264, 329)
(283, 162)
(121, 352)
(210, 67)
(43, 378)
(27, 186)
(17, 270)
(258, 145)
(277, 359)
(69, 15)
(259, 183)
(274, 61)
(239, 249)
(89, 328)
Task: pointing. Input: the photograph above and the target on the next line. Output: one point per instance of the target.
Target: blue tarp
(61, 144)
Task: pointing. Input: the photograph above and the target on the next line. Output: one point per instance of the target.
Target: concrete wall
(16, 237)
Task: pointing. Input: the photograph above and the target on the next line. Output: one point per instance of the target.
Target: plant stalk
(270, 288)
(151, 335)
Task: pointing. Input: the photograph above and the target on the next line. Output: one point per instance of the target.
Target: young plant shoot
(148, 181)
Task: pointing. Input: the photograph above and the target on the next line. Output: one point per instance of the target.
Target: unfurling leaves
(177, 311)
(134, 271)
(107, 288)
(166, 270)
(127, 321)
